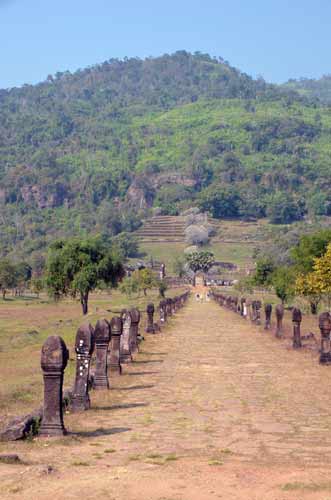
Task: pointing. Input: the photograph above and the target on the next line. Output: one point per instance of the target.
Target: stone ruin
(112, 344)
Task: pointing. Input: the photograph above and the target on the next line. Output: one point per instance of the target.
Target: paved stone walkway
(220, 383)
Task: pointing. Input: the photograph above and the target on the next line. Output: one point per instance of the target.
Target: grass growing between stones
(309, 487)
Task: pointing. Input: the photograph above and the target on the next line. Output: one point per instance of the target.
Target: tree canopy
(77, 267)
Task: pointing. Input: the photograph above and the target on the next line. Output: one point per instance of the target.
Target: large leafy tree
(77, 267)
(309, 248)
(322, 271)
(308, 286)
(220, 201)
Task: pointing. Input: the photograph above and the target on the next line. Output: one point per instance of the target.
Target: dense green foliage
(77, 267)
(200, 261)
(90, 152)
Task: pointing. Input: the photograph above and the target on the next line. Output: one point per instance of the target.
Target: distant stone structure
(199, 279)
(162, 271)
(325, 328)
(268, 312)
(279, 318)
(296, 319)
(150, 318)
(126, 356)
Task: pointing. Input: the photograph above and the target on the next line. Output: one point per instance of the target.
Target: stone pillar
(258, 306)
(54, 358)
(115, 345)
(163, 312)
(135, 318)
(84, 348)
(325, 327)
(173, 306)
(296, 319)
(150, 318)
(102, 339)
(125, 338)
(242, 305)
(279, 318)
(249, 309)
(169, 307)
(267, 311)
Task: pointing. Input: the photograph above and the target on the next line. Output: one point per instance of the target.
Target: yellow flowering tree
(309, 287)
(322, 272)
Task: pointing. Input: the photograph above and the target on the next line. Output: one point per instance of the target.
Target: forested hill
(313, 88)
(97, 150)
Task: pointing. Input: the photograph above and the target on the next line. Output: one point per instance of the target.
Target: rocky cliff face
(44, 196)
(142, 191)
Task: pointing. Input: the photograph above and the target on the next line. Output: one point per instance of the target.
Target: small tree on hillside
(77, 267)
(8, 276)
(200, 261)
(140, 281)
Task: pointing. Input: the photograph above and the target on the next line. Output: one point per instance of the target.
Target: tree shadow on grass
(100, 432)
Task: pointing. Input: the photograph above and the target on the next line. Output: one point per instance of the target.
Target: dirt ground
(212, 407)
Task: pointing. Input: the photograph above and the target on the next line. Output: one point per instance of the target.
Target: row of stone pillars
(251, 309)
(114, 344)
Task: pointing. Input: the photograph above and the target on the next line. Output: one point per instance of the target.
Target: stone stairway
(163, 228)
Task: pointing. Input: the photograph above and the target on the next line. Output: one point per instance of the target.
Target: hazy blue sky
(278, 39)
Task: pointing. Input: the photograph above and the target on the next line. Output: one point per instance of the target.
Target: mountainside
(94, 151)
(319, 89)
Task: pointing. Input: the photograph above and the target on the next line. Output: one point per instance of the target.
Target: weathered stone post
(135, 318)
(54, 358)
(249, 309)
(116, 327)
(169, 307)
(84, 348)
(150, 318)
(163, 312)
(279, 317)
(258, 306)
(242, 304)
(173, 306)
(102, 339)
(325, 327)
(267, 311)
(125, 337)
(296, 319)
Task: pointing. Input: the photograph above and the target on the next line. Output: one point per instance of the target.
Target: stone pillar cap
(116, 326)
(102, 332)
(54, 354)
(85, 339)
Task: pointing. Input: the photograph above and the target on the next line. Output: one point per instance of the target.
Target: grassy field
(25, 323)
(237, 253)
(234, 242)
